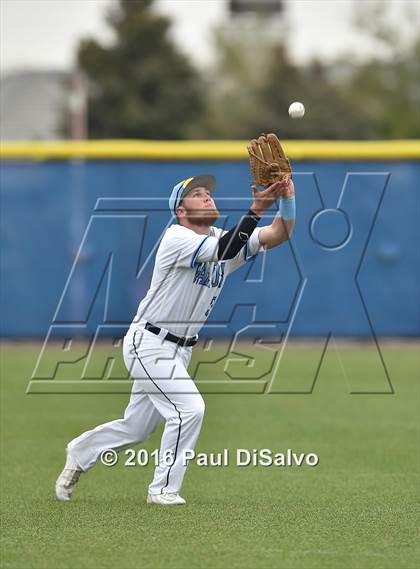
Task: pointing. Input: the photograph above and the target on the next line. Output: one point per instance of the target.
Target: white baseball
(296, 110)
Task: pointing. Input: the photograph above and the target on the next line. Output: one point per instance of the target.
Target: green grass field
(357, 509)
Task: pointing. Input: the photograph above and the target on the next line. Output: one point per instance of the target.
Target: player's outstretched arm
(233, 241)
(281, 229)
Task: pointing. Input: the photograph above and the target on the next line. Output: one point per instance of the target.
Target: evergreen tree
(141, 86)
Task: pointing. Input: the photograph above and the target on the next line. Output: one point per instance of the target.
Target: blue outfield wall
(78, 239)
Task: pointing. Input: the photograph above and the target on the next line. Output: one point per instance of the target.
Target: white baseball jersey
(187, 278)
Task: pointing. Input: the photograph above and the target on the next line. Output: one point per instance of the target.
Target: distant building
(261, 7)
(33, 105)
(250, 16)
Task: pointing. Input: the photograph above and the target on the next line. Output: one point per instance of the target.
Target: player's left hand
(267, 160)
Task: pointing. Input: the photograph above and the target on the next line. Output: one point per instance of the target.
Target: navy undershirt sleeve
(233, 241)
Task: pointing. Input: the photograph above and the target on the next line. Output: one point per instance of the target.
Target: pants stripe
(171, 402)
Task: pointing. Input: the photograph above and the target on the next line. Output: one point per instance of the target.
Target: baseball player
(192, 263)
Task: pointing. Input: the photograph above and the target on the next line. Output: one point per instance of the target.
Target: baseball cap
(179, 191)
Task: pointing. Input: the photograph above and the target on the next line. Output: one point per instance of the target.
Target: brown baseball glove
(268, 161)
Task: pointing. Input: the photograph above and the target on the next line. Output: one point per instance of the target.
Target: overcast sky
(44, 33)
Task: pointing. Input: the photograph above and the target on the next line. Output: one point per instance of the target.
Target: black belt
(171, 337)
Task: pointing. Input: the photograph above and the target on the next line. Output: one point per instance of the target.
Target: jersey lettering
(202, 275)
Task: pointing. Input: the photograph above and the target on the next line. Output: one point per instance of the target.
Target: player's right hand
(264, 199)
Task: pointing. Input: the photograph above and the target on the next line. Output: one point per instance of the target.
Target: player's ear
(180, 211)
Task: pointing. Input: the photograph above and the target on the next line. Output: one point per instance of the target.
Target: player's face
(198, 207)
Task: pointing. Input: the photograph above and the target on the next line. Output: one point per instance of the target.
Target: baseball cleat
(166, 499)
(68, 479)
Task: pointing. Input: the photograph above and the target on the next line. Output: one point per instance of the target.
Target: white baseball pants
(162, 390)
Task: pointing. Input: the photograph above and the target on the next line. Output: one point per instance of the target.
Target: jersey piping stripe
(171, 402)
(197, 251)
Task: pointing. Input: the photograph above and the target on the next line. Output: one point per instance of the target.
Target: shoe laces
(74, 479)
(171, 495)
